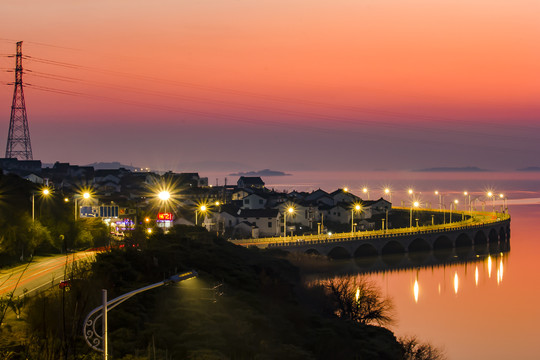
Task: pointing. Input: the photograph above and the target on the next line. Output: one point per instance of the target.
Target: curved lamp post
(98, 341)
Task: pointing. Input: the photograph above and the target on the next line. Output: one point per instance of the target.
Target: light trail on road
(40, 273)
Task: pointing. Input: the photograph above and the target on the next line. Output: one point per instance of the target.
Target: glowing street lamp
(44, 192)
(503, 205)
(439, 195)
(356, 208)
(389, 193)
(492, 196)
(85, 195)
(467, 197)
(455, 208)
(415, 205)
(366, 191)
(289, 210)
(201, 209)
(164, 195)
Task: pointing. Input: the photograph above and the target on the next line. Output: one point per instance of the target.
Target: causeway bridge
(480, 230)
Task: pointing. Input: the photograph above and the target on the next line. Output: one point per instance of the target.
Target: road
(40, 274)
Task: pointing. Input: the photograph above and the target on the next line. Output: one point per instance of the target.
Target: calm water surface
(486, 308)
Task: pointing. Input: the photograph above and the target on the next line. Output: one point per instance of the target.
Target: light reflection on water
(494, 314)
(429, 279)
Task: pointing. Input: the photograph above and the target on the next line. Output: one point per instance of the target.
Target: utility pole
(18, 141)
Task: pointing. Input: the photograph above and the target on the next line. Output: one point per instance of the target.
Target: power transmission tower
(18, 141)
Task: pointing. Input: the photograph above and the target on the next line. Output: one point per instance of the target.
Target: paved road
(40, 274)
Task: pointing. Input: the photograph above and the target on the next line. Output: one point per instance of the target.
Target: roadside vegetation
(53, 229)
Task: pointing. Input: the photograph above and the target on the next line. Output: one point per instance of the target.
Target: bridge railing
(476, 219)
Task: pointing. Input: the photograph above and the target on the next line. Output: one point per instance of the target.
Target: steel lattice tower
(18, 141)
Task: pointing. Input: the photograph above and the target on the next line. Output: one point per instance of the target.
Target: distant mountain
(530, 168)
(265, 172)
(112, 165)
(453, 169)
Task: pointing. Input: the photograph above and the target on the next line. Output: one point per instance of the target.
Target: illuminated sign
(164, 216)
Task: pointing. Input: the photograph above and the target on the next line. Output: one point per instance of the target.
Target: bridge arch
(312, 252)
(480, 238)
(502, 235)
(393, 247)
(442, 242)
(339, 252)
(493, 237)
(366, 250)
(463, 240)
(419, 244)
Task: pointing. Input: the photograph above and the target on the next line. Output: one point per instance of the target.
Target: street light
(455, 208)
(164, 195)
(440, 202)
(388, 192)
(503, 205)
(202, 208)
(289, 210)
(356, 208)
(85, 195)
(365, 190)
(44, 192)
(414, 204)
(490, 195)
(467, 196)
(99, 342)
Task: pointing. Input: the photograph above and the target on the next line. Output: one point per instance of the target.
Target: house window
(246, 201)
(230, 222)
(260, 201)
(269, 224)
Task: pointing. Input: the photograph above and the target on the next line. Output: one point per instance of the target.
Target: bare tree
(416, 350)
(357, 299)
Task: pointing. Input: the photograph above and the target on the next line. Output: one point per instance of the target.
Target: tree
(415, 350)
(357, 299)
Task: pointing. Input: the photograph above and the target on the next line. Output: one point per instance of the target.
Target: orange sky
(340, 65)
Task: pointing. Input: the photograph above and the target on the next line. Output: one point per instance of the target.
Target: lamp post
(414, 204)
(503, 204)
(365, 190)
(490, 195)
(289, 210)
(99, 342)
(202, 209)
(44, 192)
(389, 193)
(85, 195)
(356, 208)
(467, 197)
(455, 208)
(440, 202)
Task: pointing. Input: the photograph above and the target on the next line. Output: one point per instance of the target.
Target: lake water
(486, 308)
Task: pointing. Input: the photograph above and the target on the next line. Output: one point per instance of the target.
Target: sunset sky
(286, 85)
